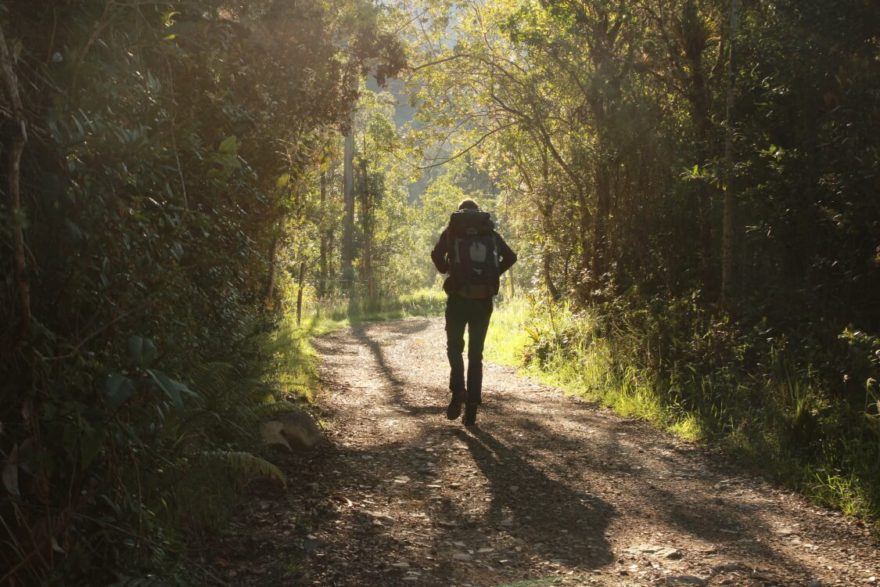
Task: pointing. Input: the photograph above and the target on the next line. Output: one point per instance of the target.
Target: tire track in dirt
(546, 489)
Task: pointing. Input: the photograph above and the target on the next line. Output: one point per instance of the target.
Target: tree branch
(13, 171)
(436, 62)
(469, 148)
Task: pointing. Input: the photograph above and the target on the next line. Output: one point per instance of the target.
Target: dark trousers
(474, 315)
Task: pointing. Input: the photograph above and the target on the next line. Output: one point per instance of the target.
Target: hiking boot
(454, 409)
(470, 414)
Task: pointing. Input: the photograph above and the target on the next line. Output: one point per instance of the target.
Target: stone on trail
(295, 430)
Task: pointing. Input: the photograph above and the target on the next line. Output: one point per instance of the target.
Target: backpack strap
(449, 247)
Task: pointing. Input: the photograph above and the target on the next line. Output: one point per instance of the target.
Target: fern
(208, 486)
(242, 466)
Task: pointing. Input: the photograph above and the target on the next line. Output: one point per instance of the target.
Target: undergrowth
(157, 452)
(754, 391)
(421, 303)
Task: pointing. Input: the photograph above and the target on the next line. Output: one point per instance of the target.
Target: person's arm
(440, 253)
(506, 255)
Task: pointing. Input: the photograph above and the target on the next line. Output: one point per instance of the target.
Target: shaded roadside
(544, 487)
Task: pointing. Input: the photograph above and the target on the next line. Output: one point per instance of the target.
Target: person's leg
(478, 325)
(456, 319)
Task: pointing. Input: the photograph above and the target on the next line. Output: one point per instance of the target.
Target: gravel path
(546, 490)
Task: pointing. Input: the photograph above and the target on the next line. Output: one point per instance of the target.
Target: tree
(170, 176)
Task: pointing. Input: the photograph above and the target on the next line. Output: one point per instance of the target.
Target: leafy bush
(161, 194)
(705, 377)
(423, 302)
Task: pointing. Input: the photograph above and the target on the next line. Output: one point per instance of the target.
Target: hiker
(474, 256)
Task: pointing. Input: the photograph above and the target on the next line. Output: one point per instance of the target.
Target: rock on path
(546, 490)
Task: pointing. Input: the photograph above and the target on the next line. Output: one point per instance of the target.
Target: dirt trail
(546, 490)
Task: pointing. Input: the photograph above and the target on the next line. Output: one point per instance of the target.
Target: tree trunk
(348, 222)
(15, 148)
(727, 224)
(694, 40)
(332, 268)
(269, 293)
(299, 291)
(366, 189)
(323, 252)
(548, 277)
(585, 220)
(510, 280)
(600, 222)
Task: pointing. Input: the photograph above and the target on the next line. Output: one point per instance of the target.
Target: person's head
(468, 204)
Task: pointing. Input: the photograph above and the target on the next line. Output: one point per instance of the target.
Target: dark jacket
(440, 257)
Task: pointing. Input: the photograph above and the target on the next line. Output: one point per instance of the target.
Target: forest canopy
(692, 188)
(158, 164)
(693, 191)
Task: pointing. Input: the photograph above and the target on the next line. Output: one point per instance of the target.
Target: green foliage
(706, 378)
(227, 473)
(423, 302)
(182, 204)
(420, 303)
(695, 208)
(585, 114)
(293, 363)
(137, 351)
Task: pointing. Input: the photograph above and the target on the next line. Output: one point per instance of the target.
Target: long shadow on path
(528, 509)
(397, 385)
(554, 521)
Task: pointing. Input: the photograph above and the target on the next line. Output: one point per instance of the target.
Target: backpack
(473, 254)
